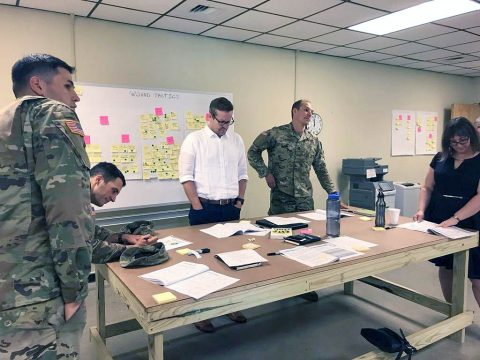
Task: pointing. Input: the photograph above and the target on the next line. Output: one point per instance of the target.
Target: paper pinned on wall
(403, 132)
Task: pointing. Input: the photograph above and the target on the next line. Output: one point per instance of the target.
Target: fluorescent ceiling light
(416, 15)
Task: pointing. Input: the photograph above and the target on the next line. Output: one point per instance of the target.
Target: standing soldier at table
(213, 173)
(46, 227)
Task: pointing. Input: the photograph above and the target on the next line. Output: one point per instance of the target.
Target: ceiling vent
(202, 9)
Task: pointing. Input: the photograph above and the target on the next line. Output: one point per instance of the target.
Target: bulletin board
(141, 131)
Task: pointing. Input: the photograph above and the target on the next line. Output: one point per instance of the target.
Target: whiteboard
(141, 131)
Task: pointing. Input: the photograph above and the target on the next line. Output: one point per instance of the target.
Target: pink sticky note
(305, 231)
(435, 118)
(158, 111)
(408, 117)
(430, 136)
(125, 138)
(400, 117)
(170, 140)
(86, 138)
(104, 120)
(419, 129)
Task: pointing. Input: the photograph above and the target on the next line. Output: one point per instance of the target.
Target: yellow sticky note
(184, 251)
(250, 246)
(374, 228)
(365, 218)
(164, 298)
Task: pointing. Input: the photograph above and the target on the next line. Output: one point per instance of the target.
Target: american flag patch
(75, 127)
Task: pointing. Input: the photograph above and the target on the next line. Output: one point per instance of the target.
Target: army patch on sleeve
(75, 127)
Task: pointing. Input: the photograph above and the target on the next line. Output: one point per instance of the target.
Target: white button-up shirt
(215, 164)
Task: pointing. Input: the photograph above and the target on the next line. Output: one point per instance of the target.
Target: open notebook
(451, 232)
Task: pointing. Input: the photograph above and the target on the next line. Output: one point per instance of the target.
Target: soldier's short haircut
(222, 104)
(298, 104)
(35, 64)
(108, 171)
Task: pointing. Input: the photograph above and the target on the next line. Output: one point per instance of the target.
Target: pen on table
(274, 253)
(203, 251)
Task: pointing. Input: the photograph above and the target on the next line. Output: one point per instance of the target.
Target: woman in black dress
(451, 196)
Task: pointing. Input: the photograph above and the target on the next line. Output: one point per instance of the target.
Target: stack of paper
(451, 232)
(195, 280)
(318, 254)
(241, 259)
(172, 242)
(229, 229)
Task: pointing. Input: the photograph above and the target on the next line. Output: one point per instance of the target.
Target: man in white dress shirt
(213, 173)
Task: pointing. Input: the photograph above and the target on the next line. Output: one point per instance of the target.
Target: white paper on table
(348, 242)
(316, 215)
(422, 226)
(172, 242)
(278, 220)
(314, 255)
(229, 229)
(202, 284)
(241, 257)
(178, 272)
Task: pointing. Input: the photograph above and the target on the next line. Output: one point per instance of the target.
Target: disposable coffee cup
(392, 215)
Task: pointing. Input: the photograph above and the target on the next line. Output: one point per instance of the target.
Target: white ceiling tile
(464, 21)
(420, 65)
(243, 3)
(390, 5)
(258, 21)
(376, 43)
(399, 61)
(420, 32)
(76, 7)
(272, 40)
(346, 14)
(461, 71)
(343, 37)
(406, 49)
(224, 32)
(474, 74)
(8, 2)
(471, 64)
(475, 30)
(183, 25)
(457, 59)
(222, 12)
(303, 30)
(298, 8)
(342, 51)
(155, 6)
(108, 12)
(444, 68)
(371, 56)
(309, 46)
(432, 55)
(450, 39)
(467, 48)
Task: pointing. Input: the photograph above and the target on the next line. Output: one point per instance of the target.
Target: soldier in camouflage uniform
(106, 182)
(292, 151)
(46, 228)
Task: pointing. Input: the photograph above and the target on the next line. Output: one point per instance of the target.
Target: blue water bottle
(333, 214)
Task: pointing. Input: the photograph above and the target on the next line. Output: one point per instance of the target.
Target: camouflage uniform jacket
(290, 157)
(46, 228)
(104, 249)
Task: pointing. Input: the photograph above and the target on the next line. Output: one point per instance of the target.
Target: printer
(366, 179)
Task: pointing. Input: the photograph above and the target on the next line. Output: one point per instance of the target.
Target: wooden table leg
(460, 266)
(155, 347)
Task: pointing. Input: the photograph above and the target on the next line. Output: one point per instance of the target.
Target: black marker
(203, 251)
(274, 253)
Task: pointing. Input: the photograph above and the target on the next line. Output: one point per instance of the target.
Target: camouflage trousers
(39, 331)
(281, 203)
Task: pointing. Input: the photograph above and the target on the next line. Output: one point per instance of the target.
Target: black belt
(217, 202)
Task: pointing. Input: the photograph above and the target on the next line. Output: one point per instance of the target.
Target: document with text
(230, 229)
(451, 232)
(317, 255)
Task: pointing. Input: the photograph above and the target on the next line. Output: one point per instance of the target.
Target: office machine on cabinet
(366, 178)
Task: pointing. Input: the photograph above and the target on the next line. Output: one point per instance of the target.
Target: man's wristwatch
(237, 199)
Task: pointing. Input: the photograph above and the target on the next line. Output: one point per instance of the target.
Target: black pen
(274, 253)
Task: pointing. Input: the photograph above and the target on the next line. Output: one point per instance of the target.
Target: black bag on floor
(389, 341)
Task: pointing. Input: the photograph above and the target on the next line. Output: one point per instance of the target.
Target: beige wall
(354, 98)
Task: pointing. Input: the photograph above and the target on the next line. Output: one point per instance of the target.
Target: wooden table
(283, 278)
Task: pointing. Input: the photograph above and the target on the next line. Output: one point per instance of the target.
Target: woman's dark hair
(461, 127)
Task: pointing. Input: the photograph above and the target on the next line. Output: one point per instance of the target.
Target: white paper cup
(392, 215)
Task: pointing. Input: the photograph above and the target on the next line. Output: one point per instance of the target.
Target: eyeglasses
(224, 123)
(462, 141)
